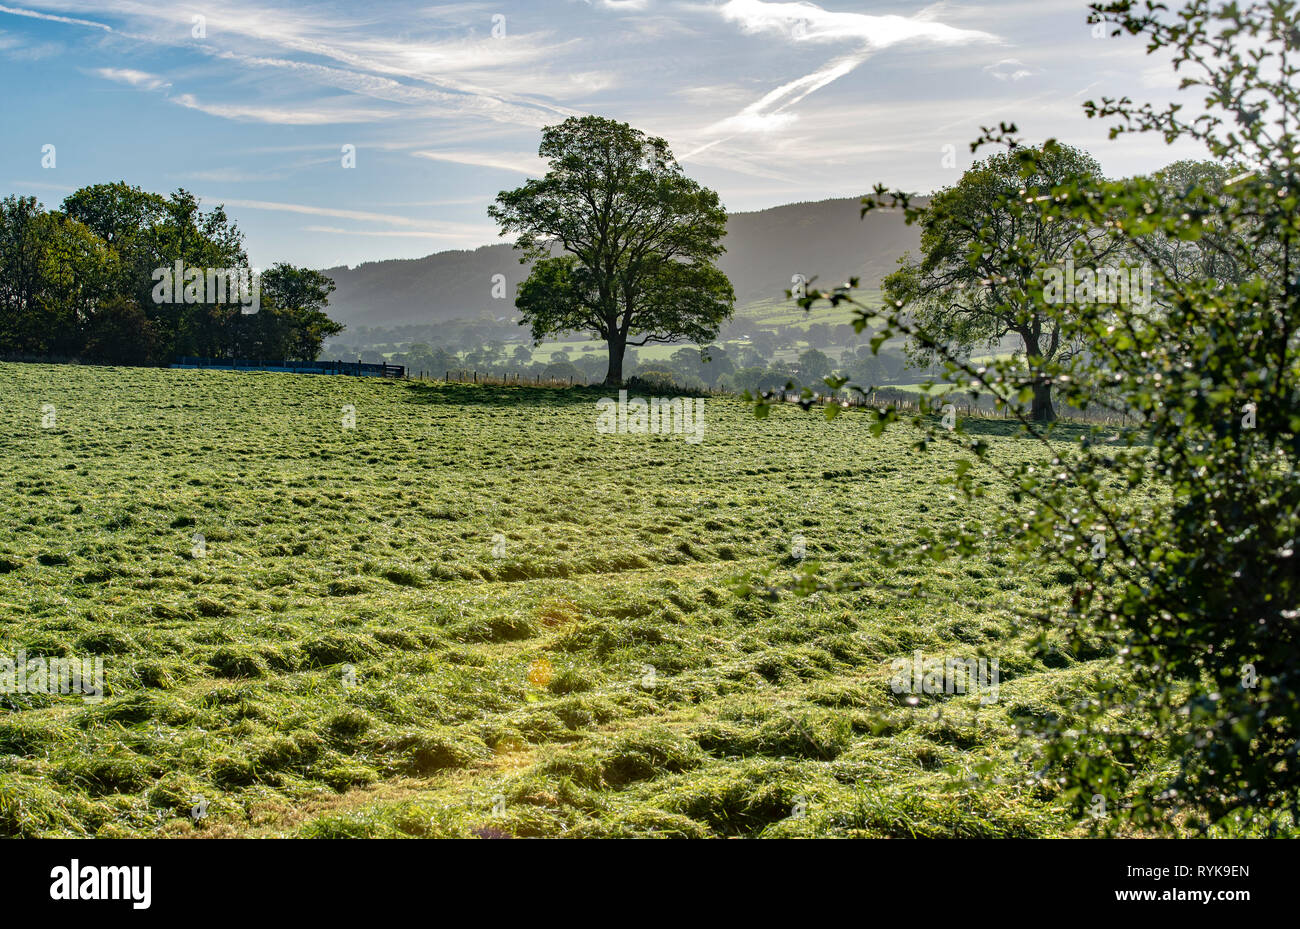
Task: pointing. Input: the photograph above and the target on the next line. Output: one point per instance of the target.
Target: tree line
(124, 276)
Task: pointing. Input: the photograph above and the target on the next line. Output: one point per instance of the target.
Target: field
(771, 315)
(472, 614)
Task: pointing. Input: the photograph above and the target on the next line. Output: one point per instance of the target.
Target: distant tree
(814, 365)
(300, 296)
(974, 283)
(819, 335)
(1213, 254)
(866, 370)
(636, 240)
(562, 370)
(120, 333)
(592, 367)
(443, 360)
(714, 363)
(763, 342)
(749, 357)
(743, 379)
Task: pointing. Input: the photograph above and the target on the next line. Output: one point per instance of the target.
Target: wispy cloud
(140, 79)
(391, 219)
(516, 163)
(286, 115)
(807, 23)
(476, 236)
(1009, 69)
(32, 14)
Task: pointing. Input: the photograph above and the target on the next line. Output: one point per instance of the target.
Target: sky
(438, 106)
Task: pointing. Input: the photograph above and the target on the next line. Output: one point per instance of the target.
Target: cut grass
(473, 614)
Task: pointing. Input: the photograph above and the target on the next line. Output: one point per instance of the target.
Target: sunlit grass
(474, 614)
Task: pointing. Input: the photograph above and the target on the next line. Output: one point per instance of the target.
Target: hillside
(764, 249)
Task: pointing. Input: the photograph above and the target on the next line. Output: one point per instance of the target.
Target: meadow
(334, 606)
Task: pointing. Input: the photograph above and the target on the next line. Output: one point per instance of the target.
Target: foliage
(299, 296)
(81, 282)
(637, 241)
(1192, 592)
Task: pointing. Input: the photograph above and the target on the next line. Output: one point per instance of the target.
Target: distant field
(764, 314)
(473, 614)
(775, 313)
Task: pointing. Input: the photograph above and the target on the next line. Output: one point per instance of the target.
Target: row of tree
(125, 276)
(713, 366)
(624, 248)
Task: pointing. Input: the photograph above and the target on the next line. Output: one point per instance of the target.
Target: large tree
(53, 270)
(623, 243)
(298, 297)
(978, 279)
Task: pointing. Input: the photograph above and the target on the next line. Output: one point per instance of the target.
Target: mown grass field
(473, 614)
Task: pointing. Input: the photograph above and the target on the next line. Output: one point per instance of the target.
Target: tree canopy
(623, 243)
(981, 259)
(84, 281)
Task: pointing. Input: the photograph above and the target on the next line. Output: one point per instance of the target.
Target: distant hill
(765, 249)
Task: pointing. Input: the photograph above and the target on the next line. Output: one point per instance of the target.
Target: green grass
(472, 614)
(777, 313)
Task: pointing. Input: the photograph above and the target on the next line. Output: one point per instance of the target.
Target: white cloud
(140, 79)
(1009, 69)
(284, 115)
(31, 14)
(391, 219)
(431, 101)
(518, 163)
(808, 23)
(475, 237)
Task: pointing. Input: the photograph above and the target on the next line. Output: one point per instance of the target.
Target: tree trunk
(614, 376)
(1042, 410)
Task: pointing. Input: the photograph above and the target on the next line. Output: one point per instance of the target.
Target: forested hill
(826, 239)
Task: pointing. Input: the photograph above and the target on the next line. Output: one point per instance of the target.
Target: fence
(469, 376)
(353, 368)
(879, 399)
(963, 405)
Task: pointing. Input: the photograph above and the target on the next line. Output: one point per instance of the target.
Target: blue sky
(766, 102)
